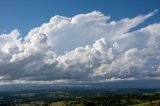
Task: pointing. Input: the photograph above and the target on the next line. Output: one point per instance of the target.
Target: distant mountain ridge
(131, 84)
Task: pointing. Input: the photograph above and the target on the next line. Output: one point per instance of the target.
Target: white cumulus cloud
(86, 47)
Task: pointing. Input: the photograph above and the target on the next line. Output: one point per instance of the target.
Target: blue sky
(27, 14)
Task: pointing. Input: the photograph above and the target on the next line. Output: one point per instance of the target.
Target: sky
(27, 14)
(79, 42)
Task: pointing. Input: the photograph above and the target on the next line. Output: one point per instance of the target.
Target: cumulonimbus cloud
(86, 47)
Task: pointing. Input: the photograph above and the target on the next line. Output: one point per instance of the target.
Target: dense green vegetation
(81, 97)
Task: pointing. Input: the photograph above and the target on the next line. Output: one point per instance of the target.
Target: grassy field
(153, 103)
(57, 104)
